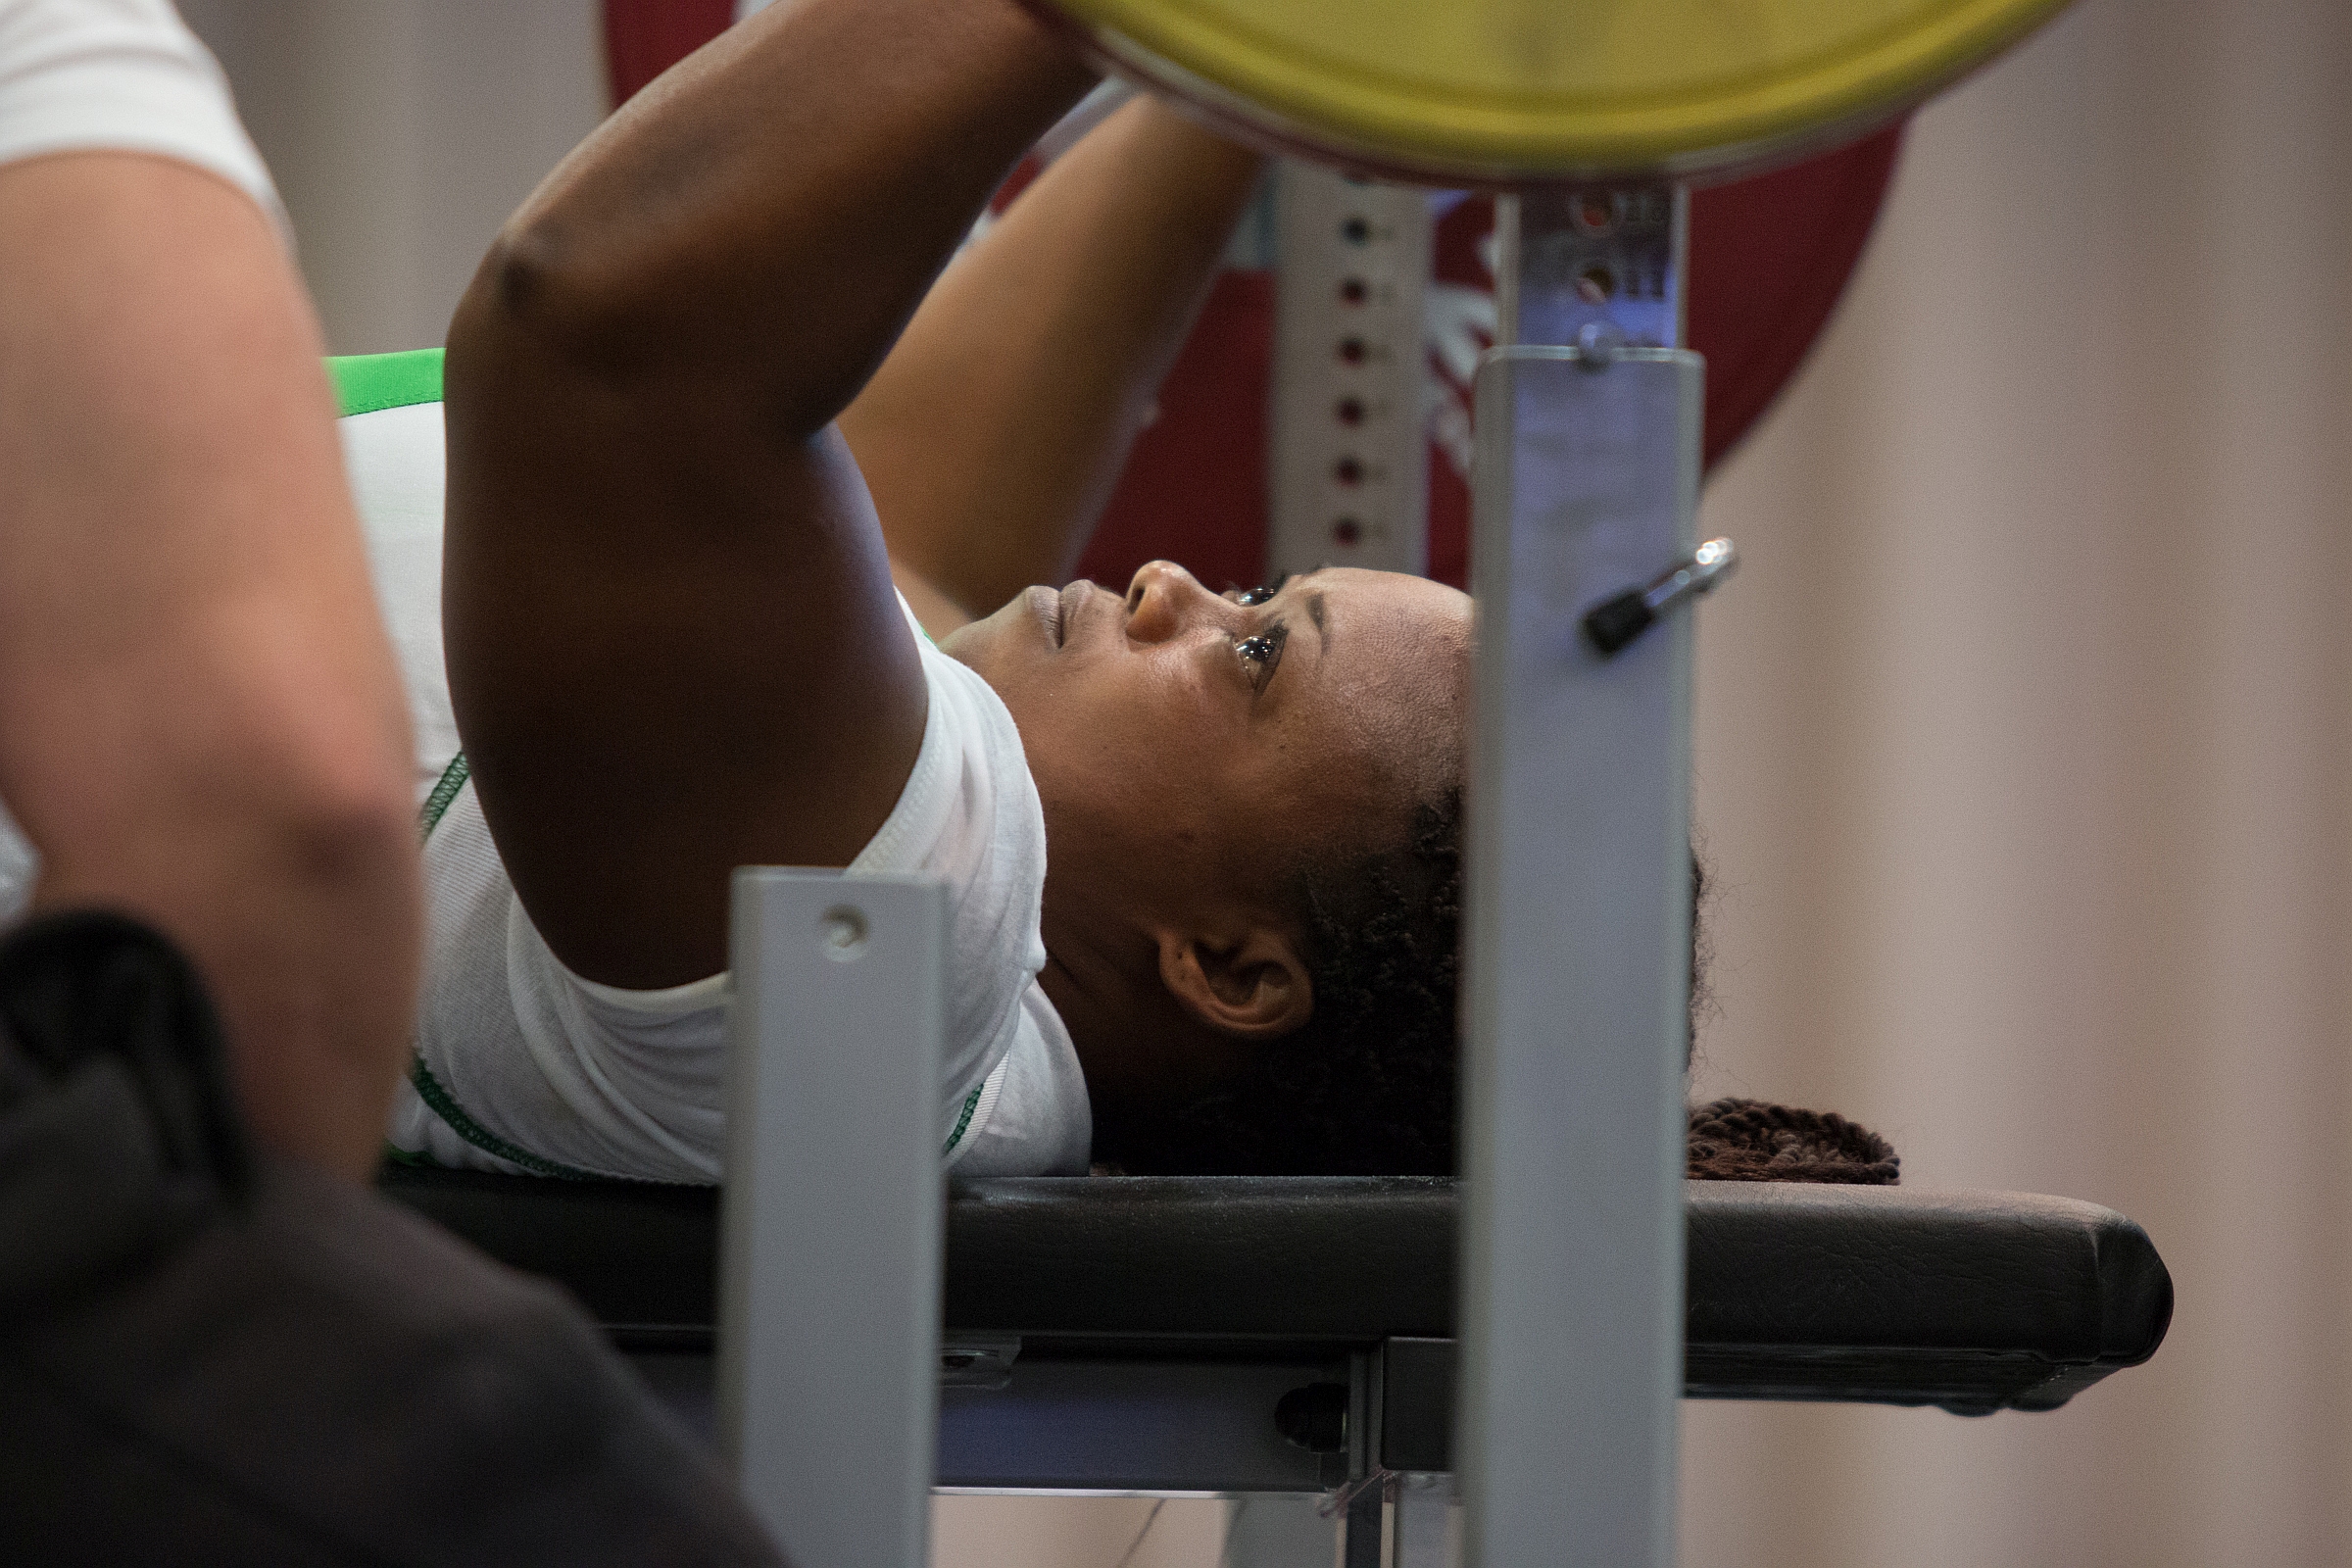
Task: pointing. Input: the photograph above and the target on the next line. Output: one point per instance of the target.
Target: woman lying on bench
(674, 647)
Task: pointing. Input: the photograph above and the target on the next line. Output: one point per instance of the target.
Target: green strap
(366, 382)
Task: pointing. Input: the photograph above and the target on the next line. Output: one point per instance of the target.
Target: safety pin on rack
(1615, 622)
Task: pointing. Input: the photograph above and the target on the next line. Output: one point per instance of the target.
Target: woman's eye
(1262, 653)
(1263, 592)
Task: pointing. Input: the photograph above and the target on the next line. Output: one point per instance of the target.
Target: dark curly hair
(1751, 1140)
(1368, 1085)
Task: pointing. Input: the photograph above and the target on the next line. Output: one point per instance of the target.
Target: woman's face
(1188, 744)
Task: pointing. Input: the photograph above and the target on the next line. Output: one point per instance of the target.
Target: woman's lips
(1066, 610)
(1044, 605)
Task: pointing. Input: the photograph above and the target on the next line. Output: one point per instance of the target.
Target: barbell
(1509, 92)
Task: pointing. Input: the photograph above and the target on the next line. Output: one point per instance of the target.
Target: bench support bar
(829, 1295)
(1578, 907)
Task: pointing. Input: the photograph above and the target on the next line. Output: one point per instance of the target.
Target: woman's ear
(1256, 989)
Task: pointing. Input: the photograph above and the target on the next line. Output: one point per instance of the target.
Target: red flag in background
(642, 38)
(1194, 488)
(1769, 258)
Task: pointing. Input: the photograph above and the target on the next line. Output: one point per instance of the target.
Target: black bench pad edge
(1970, 1299)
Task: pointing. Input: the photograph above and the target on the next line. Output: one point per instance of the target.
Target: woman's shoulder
(969, 791)
(1031, 1117)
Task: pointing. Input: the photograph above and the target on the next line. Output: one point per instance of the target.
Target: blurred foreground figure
(210, 1354)
(216, 1348)
(200, 721)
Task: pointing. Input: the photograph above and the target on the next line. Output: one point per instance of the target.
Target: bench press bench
(1144, 1332)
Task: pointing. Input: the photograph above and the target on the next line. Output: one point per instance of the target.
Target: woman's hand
(992, 435)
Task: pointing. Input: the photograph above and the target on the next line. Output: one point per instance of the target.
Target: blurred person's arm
(200, 721)
(994, 433)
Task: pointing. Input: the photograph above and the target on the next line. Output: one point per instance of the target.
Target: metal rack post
(1577, 947)
(828, 1331)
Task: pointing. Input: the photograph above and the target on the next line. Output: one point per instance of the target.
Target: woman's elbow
(540, 303)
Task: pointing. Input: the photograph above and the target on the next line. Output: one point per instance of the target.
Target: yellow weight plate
(1505, 89)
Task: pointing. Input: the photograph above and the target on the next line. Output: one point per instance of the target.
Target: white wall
(402, 133)
(2026, 754)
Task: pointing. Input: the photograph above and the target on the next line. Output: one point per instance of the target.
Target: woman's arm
(673, 641)
(994, 433)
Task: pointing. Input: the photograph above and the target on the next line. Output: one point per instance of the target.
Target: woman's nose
(1162, 600)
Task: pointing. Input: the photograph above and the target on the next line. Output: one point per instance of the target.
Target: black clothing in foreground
(212, 1355)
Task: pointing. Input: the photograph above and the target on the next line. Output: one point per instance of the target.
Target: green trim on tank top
(963, 1119)
(445, 1105)
(430, 1089)
(366, 382)
(436, 805)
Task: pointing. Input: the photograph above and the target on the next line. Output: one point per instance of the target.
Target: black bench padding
(1973, 1301)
